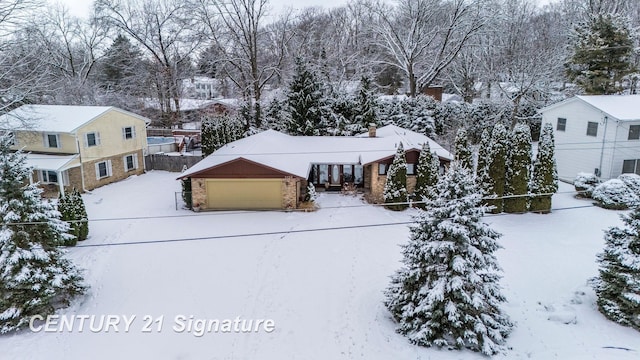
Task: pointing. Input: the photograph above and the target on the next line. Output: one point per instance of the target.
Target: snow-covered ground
(323, 289)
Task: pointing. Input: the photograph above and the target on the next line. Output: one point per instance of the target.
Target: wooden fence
(169, 163)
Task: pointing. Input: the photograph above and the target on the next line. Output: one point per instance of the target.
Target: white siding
(575, 151)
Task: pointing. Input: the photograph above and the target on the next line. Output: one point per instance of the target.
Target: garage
(244, 193)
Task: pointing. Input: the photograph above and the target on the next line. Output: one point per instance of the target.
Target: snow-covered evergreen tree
(366, 104)
(35, 277)
(462, 151)
(219, 130)
(306, 103)
(73, 211)
(427, 173)
(618, 286)
(447, 294)
(65, 207)
(603, 50)
(497, 168)
(518, 169)
(80, 211)
(544, 178)
(395, 187)
(484, 159)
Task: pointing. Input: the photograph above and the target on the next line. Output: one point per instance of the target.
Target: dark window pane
(634, 132)
(592, 128)
(562, 124)
(628, 166)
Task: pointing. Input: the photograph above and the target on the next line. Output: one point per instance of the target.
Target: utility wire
(286, 232)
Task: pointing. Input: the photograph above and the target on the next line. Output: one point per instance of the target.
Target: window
(562, 124)
(411, 169)
(130, 162)
(52, 140)
(91, 139)
(128, 132)
(631, 166)
(634, 132)
(47, 176)
(382, 169)
(103, 169)
(592, 128)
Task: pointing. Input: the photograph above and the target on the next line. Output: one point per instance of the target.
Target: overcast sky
(82, 7)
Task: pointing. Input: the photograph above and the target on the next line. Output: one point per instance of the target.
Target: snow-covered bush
(585, 183)
(395, 187)
(614, 194)
(632, 181)
(311, 194)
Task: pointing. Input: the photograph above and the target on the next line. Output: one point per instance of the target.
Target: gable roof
(295, 154)
(55, 118)
(621, 107)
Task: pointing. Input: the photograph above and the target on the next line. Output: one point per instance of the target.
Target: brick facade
(199, 193)
(117, 170)
(290, 192)
(378, 181)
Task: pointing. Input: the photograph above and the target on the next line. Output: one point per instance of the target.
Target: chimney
(372, 130)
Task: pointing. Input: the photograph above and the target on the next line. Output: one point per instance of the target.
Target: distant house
(270, 170)
(78, 146)
(596, 134)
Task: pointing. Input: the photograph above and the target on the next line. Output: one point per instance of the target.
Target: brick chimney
(372, 130)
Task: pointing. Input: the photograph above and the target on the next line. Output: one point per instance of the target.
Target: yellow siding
(109, 126)
(34, 141)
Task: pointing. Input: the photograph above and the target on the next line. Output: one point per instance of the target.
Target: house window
(128, 132)
(91, 139)
(634, 132)
(49, 177)
(130, 162)
(592, 128)
(52, 140)
(562, 124)
(103, 169)
(631, 166)
(411, 169)
(382, 169)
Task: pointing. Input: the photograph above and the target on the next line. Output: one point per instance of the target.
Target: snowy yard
(323, 289)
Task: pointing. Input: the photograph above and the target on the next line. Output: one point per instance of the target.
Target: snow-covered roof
(295, 154)
(621, 107)
(58, 118)
(52, 162)
(195, 104)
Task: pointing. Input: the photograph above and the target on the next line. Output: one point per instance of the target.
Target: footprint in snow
(98, 201)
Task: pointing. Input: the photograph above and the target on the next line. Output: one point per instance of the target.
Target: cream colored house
(78, 146)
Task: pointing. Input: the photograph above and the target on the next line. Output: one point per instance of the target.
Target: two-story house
(78, 146)
(596, 134)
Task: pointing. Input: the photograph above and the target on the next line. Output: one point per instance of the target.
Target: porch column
(60, 182)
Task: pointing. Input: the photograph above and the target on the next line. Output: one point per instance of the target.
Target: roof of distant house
(295, 154)
(58, 118)
(621, 107)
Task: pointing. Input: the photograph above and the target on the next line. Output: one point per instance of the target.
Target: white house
(597, 134)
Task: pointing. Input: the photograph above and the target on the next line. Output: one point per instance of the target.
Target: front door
(335, 175)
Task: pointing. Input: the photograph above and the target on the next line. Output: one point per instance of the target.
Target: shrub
(614, 194)
(311, 194)
(585, 183)
(632, 181)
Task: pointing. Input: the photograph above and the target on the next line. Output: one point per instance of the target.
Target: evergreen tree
(497, 167)
(120, 68)
(518, 169)
(484, 160)
(395, 187)
(305, 100)
(427, 173)
(219, 130)
(618, 286)
(35, 278)
(603, 50)
(366, 104)
(544, 179)
(80, 214)
(447, 293)
(65, 208)
(463, 152)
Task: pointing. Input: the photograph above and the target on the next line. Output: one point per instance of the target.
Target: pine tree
(618, 286)
(366, 104)
(395, 187)
(447, 294)
(603, 49)
(518, 169)
(463, 152)
(497, 167)
(305, 100)
(80, 215)
(65, 207)
(35, 277)
(219, 130)
(484, 160)
(427, 173)
(544, 178)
